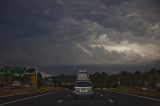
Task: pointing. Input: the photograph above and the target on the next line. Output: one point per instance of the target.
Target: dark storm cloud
(71, 32)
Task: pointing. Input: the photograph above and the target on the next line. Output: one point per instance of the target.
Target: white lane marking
(28, 98)
(158, 100)
(59, 101)
(101, 95)
(110, 100)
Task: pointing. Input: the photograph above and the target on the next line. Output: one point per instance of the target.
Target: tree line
(124, 78)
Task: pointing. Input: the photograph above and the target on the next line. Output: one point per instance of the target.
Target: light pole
(140, 80)
(9, 76)
(2, 73)
(36, 78)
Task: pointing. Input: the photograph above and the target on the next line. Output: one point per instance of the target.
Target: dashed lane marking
(68, 95)
(59, 101)
(101, 95)
(110, 100)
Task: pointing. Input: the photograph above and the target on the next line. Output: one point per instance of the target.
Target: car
(83, 89)
(16, 84)
(143, 89)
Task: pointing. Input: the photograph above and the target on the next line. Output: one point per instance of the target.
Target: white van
(16, 84)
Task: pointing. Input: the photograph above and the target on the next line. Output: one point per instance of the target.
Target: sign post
(33, 79)
(32, 72)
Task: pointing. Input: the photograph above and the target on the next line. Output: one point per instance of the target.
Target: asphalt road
(63, 98)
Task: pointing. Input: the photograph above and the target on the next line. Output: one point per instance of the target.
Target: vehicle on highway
(83, 87)
(16, 84)
(82, 75)
(144, 89)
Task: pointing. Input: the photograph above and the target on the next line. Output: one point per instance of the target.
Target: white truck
(83, 86)
(82, 75)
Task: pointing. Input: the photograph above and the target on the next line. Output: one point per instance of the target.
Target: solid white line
(110, 100)
(137, 96)
(59, 101)
(28, 98)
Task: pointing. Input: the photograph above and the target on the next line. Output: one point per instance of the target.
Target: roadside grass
(28, 90)
(136, 90)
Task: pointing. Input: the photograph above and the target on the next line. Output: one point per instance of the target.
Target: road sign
(14, 70)
(33, 79)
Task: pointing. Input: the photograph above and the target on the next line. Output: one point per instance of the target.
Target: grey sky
(74, 32)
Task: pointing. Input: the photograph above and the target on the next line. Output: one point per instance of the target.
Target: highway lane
(64, 98)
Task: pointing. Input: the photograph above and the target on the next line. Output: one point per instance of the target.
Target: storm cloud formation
(74, 32)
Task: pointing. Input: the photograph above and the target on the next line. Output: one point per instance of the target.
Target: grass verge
(137, 91)
(29, 90)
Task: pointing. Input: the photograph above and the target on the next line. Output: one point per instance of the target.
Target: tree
(39, 80)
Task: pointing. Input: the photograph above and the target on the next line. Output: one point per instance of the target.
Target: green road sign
(14, 70)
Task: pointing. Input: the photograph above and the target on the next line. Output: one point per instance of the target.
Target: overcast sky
(75, 32)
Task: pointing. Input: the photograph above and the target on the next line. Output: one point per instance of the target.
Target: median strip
(28, 98)
(23, 91)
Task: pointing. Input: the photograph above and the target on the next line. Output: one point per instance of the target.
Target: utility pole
(10, 77)
(36, 78)
(2, 75)
(140, 80)
(3, 78)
